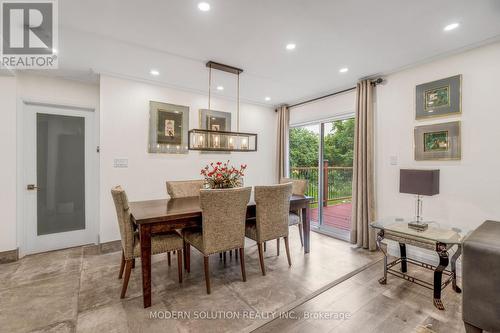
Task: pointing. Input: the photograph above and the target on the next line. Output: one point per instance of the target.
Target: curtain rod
(321, 97)
(374, 82)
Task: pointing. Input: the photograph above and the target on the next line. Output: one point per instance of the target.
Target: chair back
(224, 214)
(184, 188)
(299, 185)
(124, 221)
(273, 206)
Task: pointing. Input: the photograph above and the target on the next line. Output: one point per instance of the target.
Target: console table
(434, 238)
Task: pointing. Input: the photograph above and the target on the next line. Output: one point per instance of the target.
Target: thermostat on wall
(120, 163)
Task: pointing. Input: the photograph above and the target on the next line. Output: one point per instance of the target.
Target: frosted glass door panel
(60, 159)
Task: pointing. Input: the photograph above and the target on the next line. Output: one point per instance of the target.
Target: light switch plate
(120, 163)
(393, 160)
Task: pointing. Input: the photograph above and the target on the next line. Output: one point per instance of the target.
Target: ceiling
(129, 38)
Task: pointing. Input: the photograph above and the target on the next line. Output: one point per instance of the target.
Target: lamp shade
(421, 182)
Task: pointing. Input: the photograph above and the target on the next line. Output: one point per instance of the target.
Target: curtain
(282, 147)
(363, 203)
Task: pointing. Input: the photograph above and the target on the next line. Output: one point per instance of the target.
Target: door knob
(32, 187)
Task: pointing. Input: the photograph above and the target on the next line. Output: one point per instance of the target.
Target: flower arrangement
(222, 175)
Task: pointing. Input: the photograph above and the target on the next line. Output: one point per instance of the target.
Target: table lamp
(419, 182)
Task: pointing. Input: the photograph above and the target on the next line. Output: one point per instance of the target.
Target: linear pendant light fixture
(212, 140)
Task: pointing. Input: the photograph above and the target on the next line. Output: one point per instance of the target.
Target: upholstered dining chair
(299, 187)
(131, 247)
(184, 188)
(271, 222)
(223, 226)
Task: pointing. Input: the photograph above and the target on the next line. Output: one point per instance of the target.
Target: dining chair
(131, 246)
(223, 226)
(299, 187)
(183, 189)
(271, 222)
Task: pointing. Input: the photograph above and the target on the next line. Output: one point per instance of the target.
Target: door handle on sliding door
(32, 187)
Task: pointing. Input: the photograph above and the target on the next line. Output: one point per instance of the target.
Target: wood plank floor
(399, 306)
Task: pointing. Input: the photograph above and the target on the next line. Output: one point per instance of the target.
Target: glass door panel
(60, 166)
(336, 185)
(304, 155)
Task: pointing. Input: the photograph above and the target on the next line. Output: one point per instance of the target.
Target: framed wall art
(215, 121)
(438, 142)
(439, 98)
(168, 128)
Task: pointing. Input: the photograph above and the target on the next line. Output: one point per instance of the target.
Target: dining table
(167, 215)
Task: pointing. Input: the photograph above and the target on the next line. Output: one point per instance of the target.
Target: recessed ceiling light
(220, 88)
(290, 46)
(204, 6)
(154, 72)
(451, 26)
(344, 70)
(267, 99)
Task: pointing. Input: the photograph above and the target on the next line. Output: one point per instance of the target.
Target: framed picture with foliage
(438, 142)
(439, 98)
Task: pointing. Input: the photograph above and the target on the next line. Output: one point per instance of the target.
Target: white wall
(124, 134)
(8, 165)
(469, 188)
(323, 109)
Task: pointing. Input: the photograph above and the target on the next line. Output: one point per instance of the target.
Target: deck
(337, 216)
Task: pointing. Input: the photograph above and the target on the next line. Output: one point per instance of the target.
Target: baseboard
(9, 256)
(102, 248)
(113, 246)
(420, 254)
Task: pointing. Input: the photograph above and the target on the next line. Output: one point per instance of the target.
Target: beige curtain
(282, 147)
(363, 203)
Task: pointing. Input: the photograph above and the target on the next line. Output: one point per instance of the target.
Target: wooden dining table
(160, 216)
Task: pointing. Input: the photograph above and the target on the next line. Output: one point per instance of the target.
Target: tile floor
(77, 290)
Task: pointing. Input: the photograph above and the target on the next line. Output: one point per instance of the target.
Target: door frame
(320, 228)
(92, 198)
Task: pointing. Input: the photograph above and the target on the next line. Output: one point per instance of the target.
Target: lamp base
(420, 226)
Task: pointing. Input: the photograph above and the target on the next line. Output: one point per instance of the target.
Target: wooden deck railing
(337, 182)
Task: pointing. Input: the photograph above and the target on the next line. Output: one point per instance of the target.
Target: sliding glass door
(322, 153)
(304, 159)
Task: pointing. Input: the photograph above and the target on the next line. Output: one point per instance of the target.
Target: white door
(59, 177)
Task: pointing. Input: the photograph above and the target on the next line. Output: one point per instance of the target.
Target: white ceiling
(128, 38)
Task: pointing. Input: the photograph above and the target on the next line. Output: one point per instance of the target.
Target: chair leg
(242, 263)
(169, 259)
(236, 254)
(287, 251)
(185, 252)
(220, 255)
(224, 256)
(188, 257)
(265, 247)
(278, 247)
(261, 258)
(230, 254)
(128, 268)
(133, 263)
(300, 234)
(207, 273)
(179, 264)
(122, 266)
